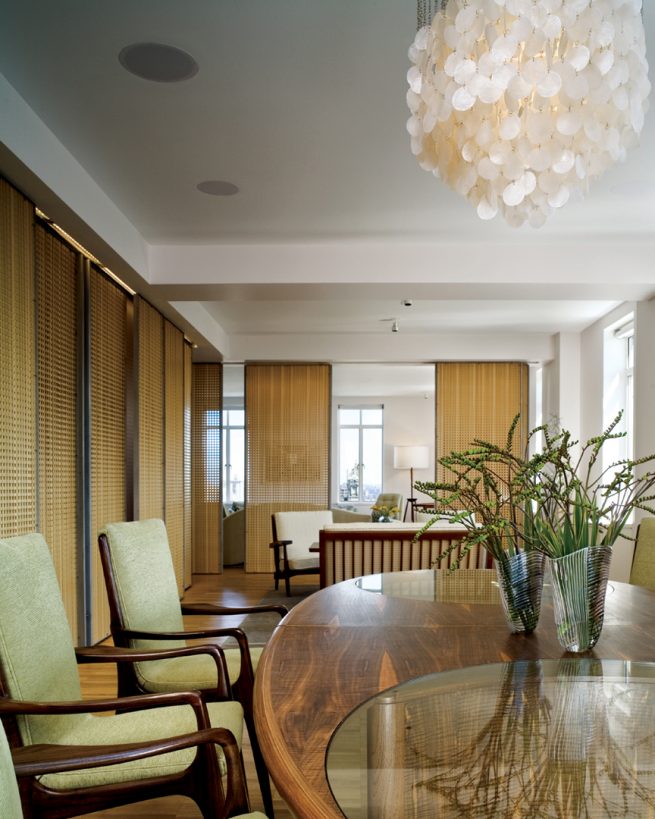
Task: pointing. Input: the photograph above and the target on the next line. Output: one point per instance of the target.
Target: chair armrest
(111, 654)
(11, 707)
(38, 760)
(279, 543)
(209, 608)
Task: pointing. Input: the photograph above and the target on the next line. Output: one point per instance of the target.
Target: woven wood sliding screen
(188, 549)
(174, 445)
(108, 367)
(149, 464)
(206, 471)
(479, 400)
(57, 284)
(18, 513)
(288, 448)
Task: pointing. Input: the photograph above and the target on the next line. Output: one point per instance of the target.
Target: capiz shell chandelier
(518, 104)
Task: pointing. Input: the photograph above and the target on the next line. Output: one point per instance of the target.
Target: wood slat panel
(288, 448)
(206, 471)
(57, 283)
(188, 550)
(479, 400)
(149, 467)
(108, 350)
(174, 445)
(18, 513)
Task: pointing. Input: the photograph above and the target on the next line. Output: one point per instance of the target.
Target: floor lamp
(411, 457)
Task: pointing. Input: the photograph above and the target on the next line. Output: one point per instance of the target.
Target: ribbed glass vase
(521, 580)
(579, 586)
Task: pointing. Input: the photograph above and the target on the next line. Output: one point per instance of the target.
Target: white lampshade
(411, 457)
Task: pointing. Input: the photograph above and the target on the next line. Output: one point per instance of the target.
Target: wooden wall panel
(288, 448)
(57, 283)
(149, 464)
(206, 468)
(174, 445)
(479, 400)
(108, 371)
(18, 513)
(188, 548)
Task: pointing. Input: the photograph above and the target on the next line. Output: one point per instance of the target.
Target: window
(618, 392)
(360, 453)
(234, 451)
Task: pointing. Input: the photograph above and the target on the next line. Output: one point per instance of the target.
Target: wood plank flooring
(233, 588)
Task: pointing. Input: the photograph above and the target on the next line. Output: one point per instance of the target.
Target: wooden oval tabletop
(342, 645)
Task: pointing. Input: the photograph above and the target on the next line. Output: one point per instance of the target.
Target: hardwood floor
(234, 587)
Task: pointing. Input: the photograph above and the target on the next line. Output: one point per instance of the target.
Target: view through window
(360, 453)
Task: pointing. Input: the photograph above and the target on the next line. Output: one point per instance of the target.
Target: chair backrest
(391, 499)
(142, 579)
(643, 564)
(10, 806)
(301, 527)
(37, 655)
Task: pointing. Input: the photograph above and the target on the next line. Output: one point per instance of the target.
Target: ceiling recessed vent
(158, 62)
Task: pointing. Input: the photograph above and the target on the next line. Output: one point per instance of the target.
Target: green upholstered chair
(49, 759)
(643, 562)
(391, 500)
(146, 612)
(38, 667)
(10, 806)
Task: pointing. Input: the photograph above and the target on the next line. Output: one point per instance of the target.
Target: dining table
(352, 644)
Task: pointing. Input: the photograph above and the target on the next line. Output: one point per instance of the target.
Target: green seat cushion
(643, 565)
(196, 672)
(10, 807)
(135, 726)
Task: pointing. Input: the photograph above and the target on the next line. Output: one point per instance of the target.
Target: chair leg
(260, 766)
(243, 692)
(287, 584)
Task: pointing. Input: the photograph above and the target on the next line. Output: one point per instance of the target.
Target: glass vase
(521, 580)
(579, 586)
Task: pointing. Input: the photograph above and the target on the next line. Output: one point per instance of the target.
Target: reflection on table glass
(442, 585)
(547, 738)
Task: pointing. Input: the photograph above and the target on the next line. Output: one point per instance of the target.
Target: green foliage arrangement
(556, 501)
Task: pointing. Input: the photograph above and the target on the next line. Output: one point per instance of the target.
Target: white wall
(407, 421)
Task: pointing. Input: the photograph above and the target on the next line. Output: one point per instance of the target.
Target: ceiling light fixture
(518, 104)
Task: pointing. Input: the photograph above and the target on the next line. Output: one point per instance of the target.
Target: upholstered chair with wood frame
(38, 668)
(642, 572)
(146, 612)
(391, 500)
(44, 760)
(294, 533)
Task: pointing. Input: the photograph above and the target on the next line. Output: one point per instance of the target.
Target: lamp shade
(411, 457)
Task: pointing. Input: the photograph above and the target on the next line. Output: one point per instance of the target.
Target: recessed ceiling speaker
(217, 187)
(158, 62)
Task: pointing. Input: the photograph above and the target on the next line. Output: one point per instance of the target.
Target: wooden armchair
(293, 535)
(38, 669)
(43, 760)
(146, 612)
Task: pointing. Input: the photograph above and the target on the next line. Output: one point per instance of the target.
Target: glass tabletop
(442, 585)
(545, 738)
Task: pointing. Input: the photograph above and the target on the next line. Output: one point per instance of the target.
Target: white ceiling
(302, 106)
